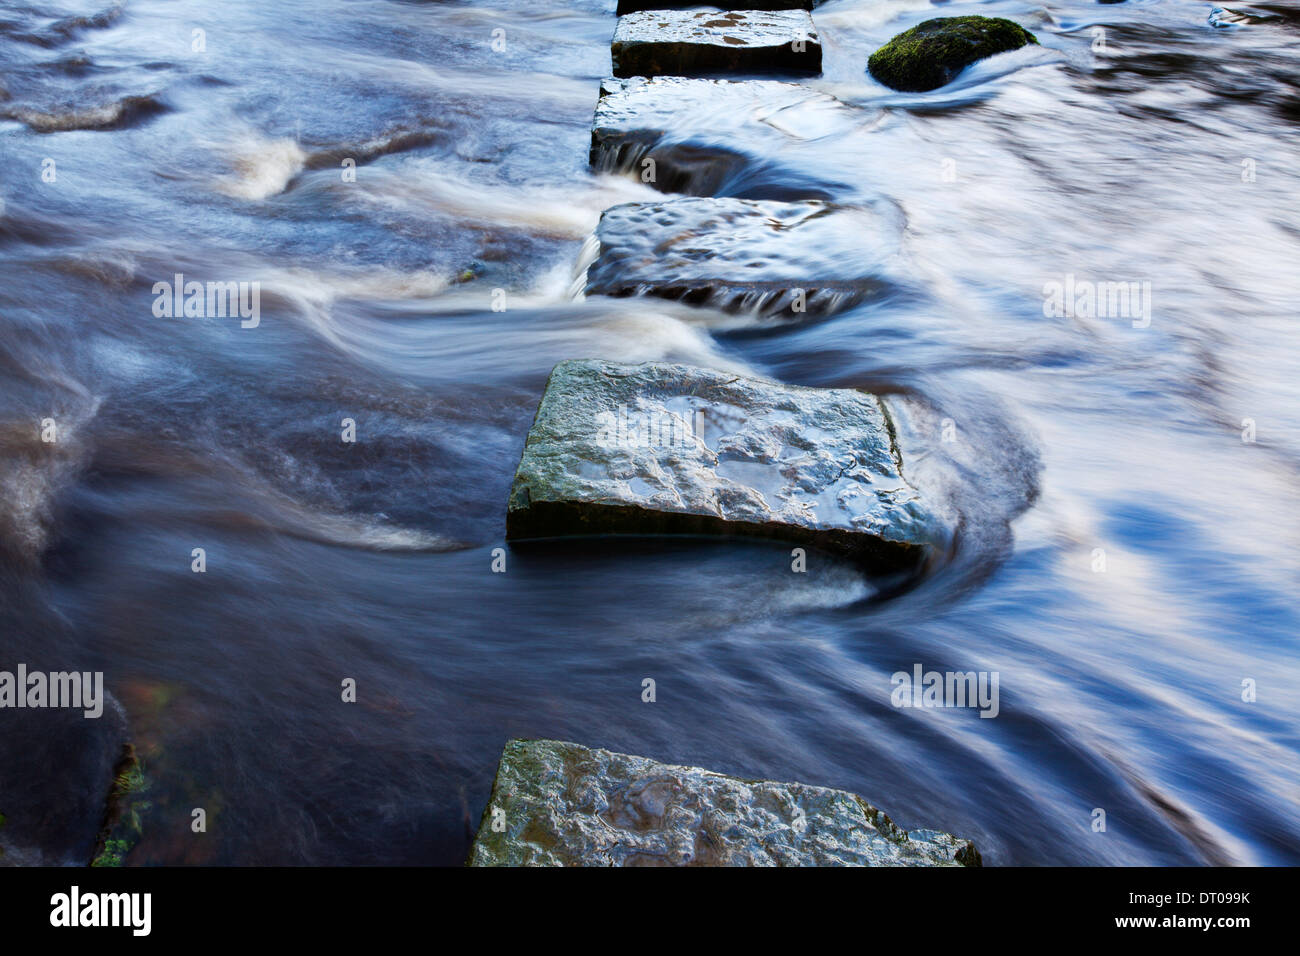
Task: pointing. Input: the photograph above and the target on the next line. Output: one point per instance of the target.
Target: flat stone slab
(634, 6)
(792, 260)
(562, 804)
(670, 449)
(708, 42)
(688, 126)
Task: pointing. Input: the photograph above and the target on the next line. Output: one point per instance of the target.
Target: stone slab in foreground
(688, 126)
(791, 260)
(670, 449)
(709, 42)
(55, 778)
(561, 804)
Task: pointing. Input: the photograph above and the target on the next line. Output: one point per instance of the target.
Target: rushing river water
(1128, 556)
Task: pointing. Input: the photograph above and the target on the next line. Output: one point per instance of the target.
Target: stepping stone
(787, 259)
(634, 6)
(688, 126)
(669, 449)
(562, 804)
(705, 42)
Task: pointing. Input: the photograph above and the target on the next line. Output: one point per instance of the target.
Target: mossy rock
(932, 53)
(555, 803)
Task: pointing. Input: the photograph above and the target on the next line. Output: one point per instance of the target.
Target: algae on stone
(561, 804)
(123, 827)
(934, 52)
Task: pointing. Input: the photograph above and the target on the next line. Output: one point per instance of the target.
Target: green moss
(131, 780)
(112, 854)
(932, 53)
(469, 273)
(123, 825)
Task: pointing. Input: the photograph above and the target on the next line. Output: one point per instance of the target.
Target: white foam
(262, 167)
(568, 211)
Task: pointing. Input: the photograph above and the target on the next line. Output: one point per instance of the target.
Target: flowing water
(1128, 556)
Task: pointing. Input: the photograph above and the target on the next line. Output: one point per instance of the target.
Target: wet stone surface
(634, 6)
(738, 255)
(695, 129)
(670, 449)
(562, 804)
(709, 42)
(933, 53)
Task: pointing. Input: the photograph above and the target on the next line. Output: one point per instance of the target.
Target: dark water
(1120, 689)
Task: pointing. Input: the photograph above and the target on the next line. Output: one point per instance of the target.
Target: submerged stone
(688, 128)
(562, 804)
(792, 260)
(934, 52)
(670, 449)
(707, 42)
